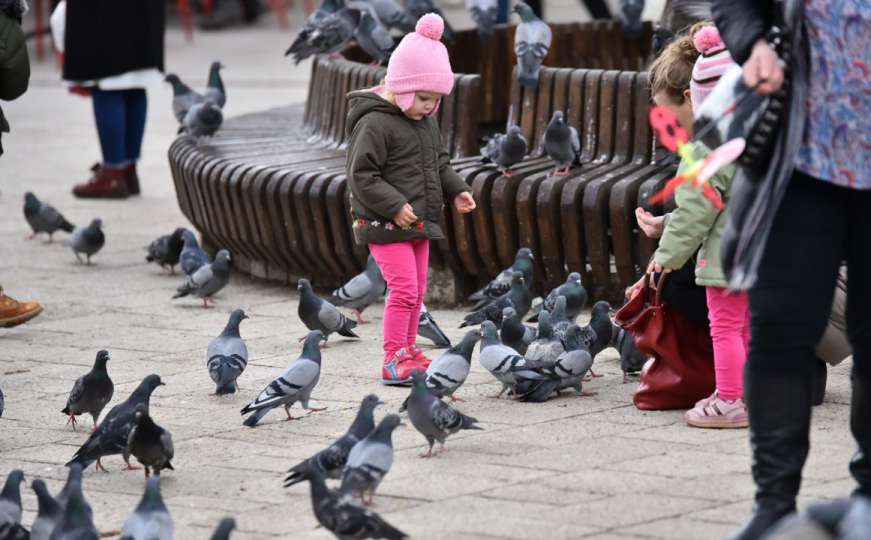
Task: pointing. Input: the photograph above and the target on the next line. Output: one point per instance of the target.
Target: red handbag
(682, 369)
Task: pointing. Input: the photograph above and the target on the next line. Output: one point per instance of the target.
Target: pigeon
(88, 240)
(2, 403)
(331, 460)
(49, 513)
(506, 150)
(373, 38)
(227, 355)
(311, 24)
(73, 483)
(484, 13)
(431, 416)
(362, 290)
(539, 384)
(630, 17)
(502, 282)
(514, 333)
(428, 329)
(43, 217)
(347, 520)
(370, 460)
(532, 40)
(149, 443)
(392, 15)
(318, 314)
(166, 250)
(576, 298)
(76, 522)
(600, 321)
(91, 392)
(208, 280)
(10, 498)
(151, 519)
(419, 8)
(225, 527)
(447, 373)
(631, 359)
(561, 144)
(561, 325)
(183, 97)
(518, 297)
(330, 34)
(202, 119)
(110, 437)
(500, 360)
(546, 347)
(215, 91)
(192, 255)
(294, 384)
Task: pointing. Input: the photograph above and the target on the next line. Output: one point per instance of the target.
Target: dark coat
(393, 160)
(105, 38)
(14, 64)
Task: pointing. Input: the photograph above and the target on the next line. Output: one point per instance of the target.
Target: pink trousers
(729, 314)
(404, 266)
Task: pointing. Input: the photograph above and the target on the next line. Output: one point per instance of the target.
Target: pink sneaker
(719, 413)
(420, 359)
(702, 403)
(397, 370)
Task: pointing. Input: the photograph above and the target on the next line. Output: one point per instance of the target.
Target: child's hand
(405, 217)
(651, 225)
(464, 202)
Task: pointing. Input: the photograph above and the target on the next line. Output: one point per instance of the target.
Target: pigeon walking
(48, 515)
(373, 38)
(166, 250)
(150, 520)
(561, 144)
(429, 329)
(518, 297)
(183, 97)
(91, 392)
(43, 217)
(10, 498)
(331, 460)
(73, 483)
(110, 437)
(500, 360)
(484, 13)
(447, 373)
(419, 8)
(370, 460)
(502, 282)
(432, 417)
(318, 314)
(225, 527)
(506, 150)
(76, 522)
(514, 333)
(149, 443)
(362, 290)
(202, 119)
(208, 280)
(227, 355)
(566, 372)
(88, 240)
(531, 42)
(215, 90)
(576, 298)
(295, 383)
(192, 256)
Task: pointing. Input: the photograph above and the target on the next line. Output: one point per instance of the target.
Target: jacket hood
(362, 102)
(14, 9)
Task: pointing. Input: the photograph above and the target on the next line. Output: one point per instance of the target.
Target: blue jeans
(120, 116)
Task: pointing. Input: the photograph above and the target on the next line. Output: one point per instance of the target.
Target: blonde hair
(672, 70)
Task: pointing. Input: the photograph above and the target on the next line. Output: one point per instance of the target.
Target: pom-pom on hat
(713, 61)
(420, 63)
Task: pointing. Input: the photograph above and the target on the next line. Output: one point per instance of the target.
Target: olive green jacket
(393, 160)
(14, 64)
(696, 225)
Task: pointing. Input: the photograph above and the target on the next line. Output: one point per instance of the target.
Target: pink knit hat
(710, 65)
(420, 63)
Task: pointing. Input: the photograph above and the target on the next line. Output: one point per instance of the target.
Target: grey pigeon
(110, 437)
(600, 321)
(502, 282)
(561, 324)
(347, 520)
(531, 42)
(227, 355)
(150, 520)
(561, 144)
(576, 298)
(429, 329)
(88, 240)
(500, 360)
(294, 384)
(546, 347)
(631, 359)
(149, 443)
(311, 24)
(506, 150)
(447, 373)
(202, 119)
(13, 531)
(43, 217)
(208, 280)
(566, 372)
(10, 498)
(362, 290)
(518, 297)
(331, 460)
(91, 392)
(73, 483)
(370, 460)
(225, 527)
(48, 515)
(192, 256)
(392, 15)
(432, 417)
(514, 333)
(76, 522)
(183, 98)
(630, 17)
(166, 250)
(373, 38)
(329, 35)
(318, 314)
(419, 8)
(484, 13)
(215, 90)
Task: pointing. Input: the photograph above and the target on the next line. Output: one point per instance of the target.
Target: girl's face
(424, 104)
(683, 112)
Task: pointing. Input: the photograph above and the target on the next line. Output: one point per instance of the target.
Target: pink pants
(404, 265)
(729, 314)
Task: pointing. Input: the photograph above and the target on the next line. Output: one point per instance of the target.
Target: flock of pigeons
(198, 114)
(560, 142)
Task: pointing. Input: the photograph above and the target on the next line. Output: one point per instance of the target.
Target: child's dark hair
(672, 70)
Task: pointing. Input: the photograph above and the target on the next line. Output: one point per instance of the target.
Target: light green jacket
(696, 225)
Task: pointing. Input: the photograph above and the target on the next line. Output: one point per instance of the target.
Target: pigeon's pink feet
(72, 420)
(587, 393)
(316, 409)
(594, 374)
(562, 171)
(507, 173)
(427, 454)
(130, 467)
(442, 449)
(359, 315)
(99, 466)
(454, 398)
(289, 417)
(323, 345)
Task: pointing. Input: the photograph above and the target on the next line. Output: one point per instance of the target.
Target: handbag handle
(657, 301)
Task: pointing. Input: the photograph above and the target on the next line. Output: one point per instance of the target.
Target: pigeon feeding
(318, 314)
(76, 523)
(576, 298)
(432, 417)
(10, 498)
(370, 460)
(149, 443)
(192, 255)
(227, 355)
(150, 520)
(362, 290)
(532, 40)
(502, 282)
(484, 13)
(546, 347)
(331, 460)
(601, 324)
(111, 435)
(538, 384)
(329, 35)
(518, 297)
(447, 373)
(91, 392)
(88, 240)
(166, 250)
(294, 384)
(208, 280)
(506, 150)
(43, 217)
(429, 329)
(202, 119)
(561, 144)
(373, 38)
(514, 333)
(48, 515)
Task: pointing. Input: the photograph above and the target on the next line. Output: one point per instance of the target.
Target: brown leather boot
(106, 183)
(13, 312)
(131, 178)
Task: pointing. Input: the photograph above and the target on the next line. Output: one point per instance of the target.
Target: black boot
(779, 407)
(860, 424)
(821, 376)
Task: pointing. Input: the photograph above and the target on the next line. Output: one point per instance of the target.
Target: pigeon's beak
(402, 424)
(245, 317)
(161, 384)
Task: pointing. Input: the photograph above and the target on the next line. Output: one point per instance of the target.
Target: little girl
(399, 176)
(683, 76)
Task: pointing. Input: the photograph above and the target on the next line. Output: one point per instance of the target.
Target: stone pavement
(591, 467)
